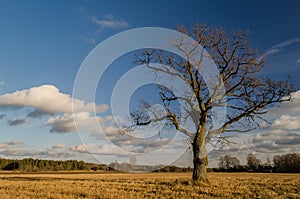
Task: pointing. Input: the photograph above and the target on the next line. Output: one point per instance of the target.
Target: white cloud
(287, 122)
(109, 21)
(84, 121)
(283, 135)
(2, 83)
(286, 43)
(62, 124)
(106, 149)
(298, 61)
(276, 141)
(268, 52)
(79, 148)
(47, 99)
(111, 149)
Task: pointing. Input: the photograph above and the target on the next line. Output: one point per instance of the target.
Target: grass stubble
(147, 185)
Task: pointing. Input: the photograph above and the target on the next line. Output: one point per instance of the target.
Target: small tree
(247, 94)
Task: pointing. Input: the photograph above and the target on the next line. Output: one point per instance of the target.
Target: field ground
(147, 185)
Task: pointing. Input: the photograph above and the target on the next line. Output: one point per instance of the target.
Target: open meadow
(147, 185)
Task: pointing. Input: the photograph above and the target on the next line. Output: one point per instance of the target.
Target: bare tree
(247, 94)
(287, 163)
(228, 162)
(253, 162)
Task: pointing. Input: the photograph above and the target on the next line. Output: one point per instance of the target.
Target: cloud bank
(47, 100)
(17, 148)
(280, 137)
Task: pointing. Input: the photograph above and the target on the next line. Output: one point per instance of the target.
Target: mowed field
(147, 185)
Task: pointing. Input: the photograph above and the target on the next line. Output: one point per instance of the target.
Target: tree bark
(200, 158)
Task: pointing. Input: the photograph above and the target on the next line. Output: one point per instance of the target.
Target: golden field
(147, 185)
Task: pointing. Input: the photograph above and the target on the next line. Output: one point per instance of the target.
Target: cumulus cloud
(109, 21)
(86, 123)
(277, 141)
(287, 122)
(62, 124)
(106, 149)
(83, 121)
(18, 121)
(47, 99)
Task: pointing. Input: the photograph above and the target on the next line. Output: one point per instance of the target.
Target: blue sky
(45, 42)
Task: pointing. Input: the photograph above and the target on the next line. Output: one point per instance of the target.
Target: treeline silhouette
(35, 165)
(288, 163)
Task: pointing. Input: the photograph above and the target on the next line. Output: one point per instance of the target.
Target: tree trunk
(200, 158)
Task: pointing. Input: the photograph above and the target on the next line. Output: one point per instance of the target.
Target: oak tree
(247, 94)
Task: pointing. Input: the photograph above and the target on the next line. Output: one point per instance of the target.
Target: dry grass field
(147, 185)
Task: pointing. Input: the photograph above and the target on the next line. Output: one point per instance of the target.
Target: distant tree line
(288, 163)
(39, 165)
(35, 165)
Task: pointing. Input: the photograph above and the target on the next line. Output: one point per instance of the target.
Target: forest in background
(288, 163)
